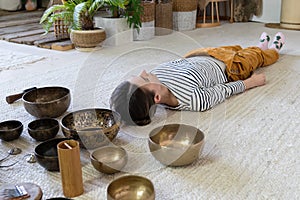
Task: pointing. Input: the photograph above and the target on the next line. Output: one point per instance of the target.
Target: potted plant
(119, 22)
(78, 16)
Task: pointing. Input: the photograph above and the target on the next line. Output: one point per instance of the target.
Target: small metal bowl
(176, 144)
(93, 128)
(131, 187)
(10, 130)
(46, 154)
(109, 159)
(43, 129)
(45, 102)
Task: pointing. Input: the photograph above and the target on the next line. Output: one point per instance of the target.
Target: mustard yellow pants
(240, 63)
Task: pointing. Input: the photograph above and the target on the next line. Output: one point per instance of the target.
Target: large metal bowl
(47, 101)
(93, 128)
(176, 144)
(131, 187)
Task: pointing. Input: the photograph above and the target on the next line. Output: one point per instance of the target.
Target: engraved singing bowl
(93, 128)
(176, 144)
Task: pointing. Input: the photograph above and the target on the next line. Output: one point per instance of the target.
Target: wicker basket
(185, 5)
(61, 29)
(163, 18)
(148, 11)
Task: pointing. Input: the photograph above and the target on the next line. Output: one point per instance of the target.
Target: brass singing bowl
(10, 130)
(176, 144)
(131, 187)
(43, 129)
(45, 102)
(46, 154)
(109, 159)
(93, 128)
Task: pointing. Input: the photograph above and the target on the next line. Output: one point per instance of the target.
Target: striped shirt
(198, 83)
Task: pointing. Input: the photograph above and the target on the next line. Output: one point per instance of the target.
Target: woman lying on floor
(201, 80)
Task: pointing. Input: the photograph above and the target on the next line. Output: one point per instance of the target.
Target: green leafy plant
(132, 12)
(78, 14)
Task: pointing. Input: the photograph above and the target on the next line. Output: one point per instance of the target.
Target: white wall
(270, 13)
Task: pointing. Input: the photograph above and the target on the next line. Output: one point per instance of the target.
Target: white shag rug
(251, 139)
(12, 59)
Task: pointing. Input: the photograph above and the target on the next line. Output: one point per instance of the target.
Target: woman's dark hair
(134, 104)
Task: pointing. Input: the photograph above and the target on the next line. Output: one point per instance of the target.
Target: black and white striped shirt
(198, 83)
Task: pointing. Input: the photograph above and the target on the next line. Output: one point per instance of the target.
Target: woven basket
(185, 5)
(163, 18)
(61, 29)
(148, 11)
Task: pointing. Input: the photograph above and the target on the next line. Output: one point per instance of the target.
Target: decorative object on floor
(205, 21)
(70, 168)
(109, 159)
(11, 5)
(31, 5)
(116, 29)
(119, 22)
(12, 151)
(176, 144)
(163, 17)
(131, 187)
(78, 16)
(47, 101)
(87, 40)
(46, 154)
(43, 129)
(10, 130)
(24, 190)
(147, 29)
(93, 128)
(184, 14)
(290, 15)
(245, 9)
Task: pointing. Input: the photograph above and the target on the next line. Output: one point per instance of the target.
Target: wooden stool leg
(231, 11)
(204, 15)
(217, 11)
(212, 12)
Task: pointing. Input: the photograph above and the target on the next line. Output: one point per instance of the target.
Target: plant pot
(87, 39)
(184, 14)
(290, 15)
(163, 18)
(146, 32)
(117, 30)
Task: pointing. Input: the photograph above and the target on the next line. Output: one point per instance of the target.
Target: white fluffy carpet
(251, 139)
(11, 59)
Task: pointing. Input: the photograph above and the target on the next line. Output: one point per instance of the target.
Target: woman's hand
(255, 80)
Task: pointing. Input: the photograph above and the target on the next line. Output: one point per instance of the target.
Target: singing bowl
(45, 102)
(131, 187)
(46, 154)
(176, 144)
(43, 129)
(10, 130)
(109, 159)
(93, 128)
